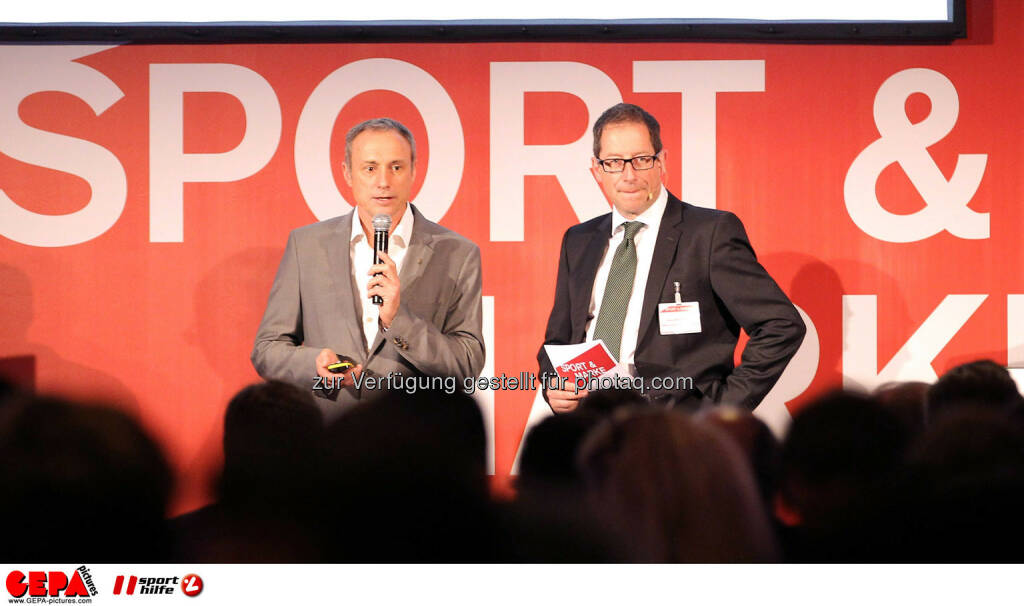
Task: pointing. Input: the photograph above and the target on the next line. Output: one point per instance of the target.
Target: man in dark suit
(615, 271)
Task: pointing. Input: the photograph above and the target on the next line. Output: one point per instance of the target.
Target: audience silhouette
(82, 483)
(912, 473)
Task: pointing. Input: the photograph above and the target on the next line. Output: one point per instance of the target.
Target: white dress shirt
(361, 256)
(644, 241)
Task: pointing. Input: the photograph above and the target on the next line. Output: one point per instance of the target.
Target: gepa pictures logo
(37, 583)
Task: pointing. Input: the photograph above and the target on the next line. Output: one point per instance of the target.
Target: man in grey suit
(429, 323)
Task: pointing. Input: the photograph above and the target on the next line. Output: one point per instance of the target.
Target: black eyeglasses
(617, 165)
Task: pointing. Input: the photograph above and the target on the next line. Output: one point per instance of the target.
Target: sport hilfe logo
(145, 585)
(54, 583)
(191, 585)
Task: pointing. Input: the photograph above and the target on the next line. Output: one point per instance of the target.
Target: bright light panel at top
(198, 11)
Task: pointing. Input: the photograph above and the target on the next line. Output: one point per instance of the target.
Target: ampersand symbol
(907, 143)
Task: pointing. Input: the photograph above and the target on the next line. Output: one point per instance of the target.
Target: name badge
(679, 318)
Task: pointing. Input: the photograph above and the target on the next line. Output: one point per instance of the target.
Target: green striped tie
(617, 291)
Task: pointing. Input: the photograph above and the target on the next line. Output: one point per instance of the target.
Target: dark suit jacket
(312, 305)
(708, 253)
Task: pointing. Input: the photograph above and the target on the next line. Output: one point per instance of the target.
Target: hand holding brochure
(581, 362)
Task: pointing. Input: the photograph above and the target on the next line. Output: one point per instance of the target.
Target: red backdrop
(112, 288)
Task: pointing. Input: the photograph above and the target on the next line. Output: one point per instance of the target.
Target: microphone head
(382, 222)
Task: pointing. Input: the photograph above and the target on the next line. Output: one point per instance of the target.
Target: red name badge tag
(679, 318)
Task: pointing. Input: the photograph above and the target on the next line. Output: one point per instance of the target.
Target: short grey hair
(377, 124)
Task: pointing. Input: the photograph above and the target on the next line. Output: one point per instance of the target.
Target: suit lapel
(664, 256)
(421, 248)
(336, 246)
(582, 289)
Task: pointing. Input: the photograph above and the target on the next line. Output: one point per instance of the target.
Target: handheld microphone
(381, 227)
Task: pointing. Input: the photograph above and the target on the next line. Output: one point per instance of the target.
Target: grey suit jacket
(312, 305)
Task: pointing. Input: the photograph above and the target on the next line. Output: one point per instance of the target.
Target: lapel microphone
(381, 227)
(650, 194)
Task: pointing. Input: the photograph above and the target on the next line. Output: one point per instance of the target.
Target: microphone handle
(380, 244)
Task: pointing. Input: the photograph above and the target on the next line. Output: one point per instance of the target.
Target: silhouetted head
(981, 383)
(272, 439)
(607, 401)
(427, 435)
(548, 460)
(840, 450)
(907, 401)
(406, 480)
(84, 483)
(680, 490)
(966, 489)
(756, 441)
